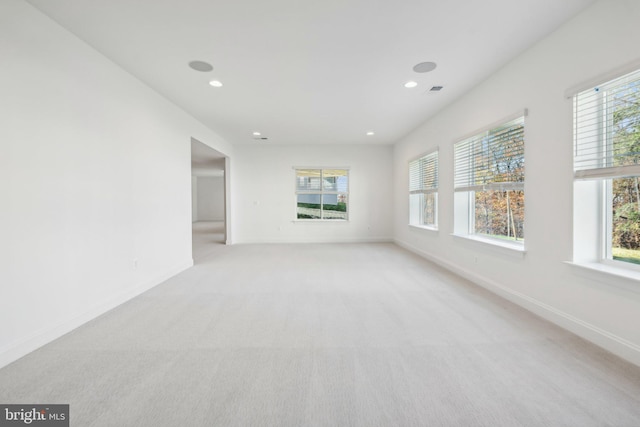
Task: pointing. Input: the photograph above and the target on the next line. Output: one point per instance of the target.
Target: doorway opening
(209, 200)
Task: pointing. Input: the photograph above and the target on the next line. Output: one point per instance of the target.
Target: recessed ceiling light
(370, 133)
(256, 134)
(424, 67)
(215, 83)
(201, 66)
(410, 84)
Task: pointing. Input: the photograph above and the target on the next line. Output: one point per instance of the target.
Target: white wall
(210, 198)
(604, 310)
(264, 182)
(194, 198)
(94, 182)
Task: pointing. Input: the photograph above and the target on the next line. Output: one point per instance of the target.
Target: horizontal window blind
(423, 174)
(607, 129)
(308, 179)
(491, 160)
(322, 180)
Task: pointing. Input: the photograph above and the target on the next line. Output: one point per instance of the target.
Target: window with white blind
(489, 183)
(607, 156)
(423, 191)
(322, 194)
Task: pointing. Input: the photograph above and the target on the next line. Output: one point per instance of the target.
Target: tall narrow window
(423, 191)
(607, 151)
(489, 183)
(322, 194)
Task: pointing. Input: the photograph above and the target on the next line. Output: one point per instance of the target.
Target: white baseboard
(313, 240)
(22, 347)
(600, 337)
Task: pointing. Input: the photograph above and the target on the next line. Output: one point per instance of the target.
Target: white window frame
(322, 192)
(423, 181)
(594, 173)
(465, 187)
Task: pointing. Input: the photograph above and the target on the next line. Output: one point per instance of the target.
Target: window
(322, 194)
(423, 191)
(489, 183)
(607, 154)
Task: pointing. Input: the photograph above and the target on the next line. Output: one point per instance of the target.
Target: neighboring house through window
(322, 194)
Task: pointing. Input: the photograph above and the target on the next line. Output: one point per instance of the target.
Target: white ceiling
(311, 71)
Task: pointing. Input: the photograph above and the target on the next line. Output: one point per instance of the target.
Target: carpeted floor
(324, 335)
(207, 236)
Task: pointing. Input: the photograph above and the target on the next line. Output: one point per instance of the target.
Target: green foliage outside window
(625, 238)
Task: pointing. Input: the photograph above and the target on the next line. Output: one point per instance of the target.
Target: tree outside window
(489, 170)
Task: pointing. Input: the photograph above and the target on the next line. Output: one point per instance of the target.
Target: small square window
(322, 194)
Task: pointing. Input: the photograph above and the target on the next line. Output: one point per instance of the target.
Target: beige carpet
(324, 335)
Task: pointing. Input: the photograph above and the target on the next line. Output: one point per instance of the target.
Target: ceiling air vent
(435, 89)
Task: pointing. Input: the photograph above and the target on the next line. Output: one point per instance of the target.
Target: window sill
(608, 274)
(498, 246)
(424, 227)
